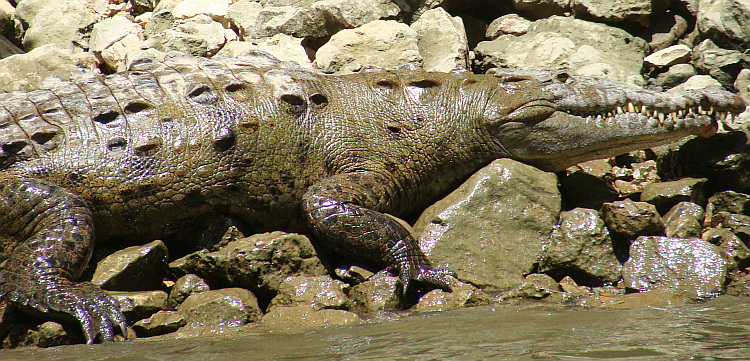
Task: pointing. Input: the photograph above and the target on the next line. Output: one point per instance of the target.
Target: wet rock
(379, 293)
(630, 219)
(305, 317)
(348, 14)
(539, 9)
(537, 286)
(317, 291)
(299, 22)
(685, 208)
(725, 21)
(581, 189)
(47, 334)
(185, 286)
(159, 323)
(353, 274)
(244, 15)
(691, 267)
(569, 286)
(136, 305)
(723, 65)
(56, 22)
(728, 201)
(636, 11)
(581, 247)
(633, 178)
(388, 44)
(259, 263)
(199, 36)
(653, 298)
(490, 229)
(137, 268)
(676, 74)
(684, 220)
(664, 195)
(675, 54)
(576, 46)
(463, 295)
(281, 46)
(24, 72)
(510, 24)
(732, 245)
(224, 307)
(442, 41)
(739, 224)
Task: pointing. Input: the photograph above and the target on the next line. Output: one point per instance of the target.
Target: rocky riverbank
(653, 227)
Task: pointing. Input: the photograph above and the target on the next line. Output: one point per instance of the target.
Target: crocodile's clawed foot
(427, 278)
(98, 313)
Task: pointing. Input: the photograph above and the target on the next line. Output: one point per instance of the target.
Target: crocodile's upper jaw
(567, 120)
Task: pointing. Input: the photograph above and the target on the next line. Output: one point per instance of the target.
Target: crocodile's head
(554, 120)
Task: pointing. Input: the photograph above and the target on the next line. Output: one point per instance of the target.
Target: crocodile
(140, 154)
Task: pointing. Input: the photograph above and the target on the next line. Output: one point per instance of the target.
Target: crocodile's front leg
(52, 230)
(342, 211)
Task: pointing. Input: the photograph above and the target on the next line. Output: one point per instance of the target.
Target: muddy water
(716, 330)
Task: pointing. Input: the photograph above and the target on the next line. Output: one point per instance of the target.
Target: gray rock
(216, 9)
(108, 31)
(722, 64)
(510, 24)
(225, 307)
(697, 82)
(137, 268)
(136, 305)
(379, 293)
(625, 11)
(490, 229)
(728, 201)
(388, 44)
(56, 22)
(185, 286)
(665, 195)
(143, 6)
(159, 323)
(259, 263)
(441, 41)
(742, 85)
(676, 74)
(726, 22)
(305, 317)
(576, 46)
(581, 247)
(199, 36)
(463, 295)
(244, 15)
(317, 291)
(281, 46)
(675, 54)
(299, 22)
(24, 72)
(348, 14)
(691, 267)
(677, 31)
(541, 8)
(630, 219)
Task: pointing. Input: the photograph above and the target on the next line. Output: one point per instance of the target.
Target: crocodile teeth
(661, 118)
(644, 110)
(631, 108)
(620, 110)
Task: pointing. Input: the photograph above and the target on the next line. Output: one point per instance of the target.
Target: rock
(691, 267)
(388, 44)
(676, 74)
(185, 286)
(697, 82)
(115, 56)
(539, 9)
(141, 304)
(259, 263)
(677, 31)
(632, 179)
(685, 208)
(576, 46)
(723, 65)
(225, 307)
(108, 31)
(47, 334)
(379, 293)
(725, 21)
(537, 286)
(353, 274)
(739, 224)
(317, 291)
(299, 22)
(664, 195)
(490, 229)
(56, 22)
(630, 219)
(742, 85)
(675, 54)
(569, 286)
(582, 189)
(24, 72)
(581, 247)
(199, 36)
(348, 14)
(137, 268)
(305, 317)
(143, 6)
(281, 46)
(684, 220)
(216, 9)
(442, 41)
(244, 15)
(653, 298)
(510, 24)
(463, 295)
(728, 201)
(626, 11)
(159, 323)
(732, 245)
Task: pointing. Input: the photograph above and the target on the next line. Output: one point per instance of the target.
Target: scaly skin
(139, 154)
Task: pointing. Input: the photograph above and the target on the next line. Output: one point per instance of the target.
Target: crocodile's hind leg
(53, 231)
(341, 211)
